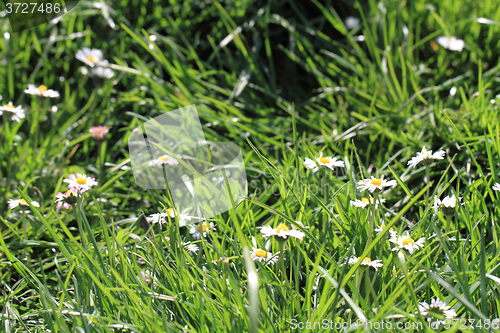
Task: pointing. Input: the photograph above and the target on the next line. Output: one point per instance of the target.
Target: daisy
(406, 242)
(89, 56)
(41, 91)
(327, 161)
(146, 277)
(102, 72)
(374, 184)
(184, 218)
(67, 198)
(366, 262)
(201, 229)
(392, 232)
(164, 159)
(13, 203)
(18, 112)
(452, 43)
(426, 156)
(99, 132)
(496, 187)
(447, 205)
(437, 307)
(364, 202)
(351, 22)
(161, 217)
(281, 232)
(263, 256)
(190, 247)
(80, 182)
(301, 224)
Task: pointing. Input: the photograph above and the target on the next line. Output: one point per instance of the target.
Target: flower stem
(428, 177)
(282, 261)
(371, 220)
(448, 222)
(79, 221)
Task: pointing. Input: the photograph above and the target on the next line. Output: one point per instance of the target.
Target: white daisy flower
(406, 242)
(281, 232)
(80, 182)
(146, 277)
(191, 247)
(102, 72)
(13, 203)
(329, 161)
(351, 22)
(41, 91)
(366, 262)
(310, 164)
(264, 256)
(452, 43)
(18, 112)
(437, 307)
(426, 156)
(447, 205)
(496, 187)
(67, 198)
(364, 202)
(164, 159)
(326, 161)
(89, 56)
(161, 218)
(374, 184)
(184, 218)
(201, 229)
(392, 232)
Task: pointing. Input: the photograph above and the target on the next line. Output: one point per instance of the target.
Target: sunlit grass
(286, 81)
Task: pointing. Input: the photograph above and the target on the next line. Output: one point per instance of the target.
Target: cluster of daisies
(95, 60)
(402, 243)
(77, 185)
(197, 230)
(17, 112)
(91, 57)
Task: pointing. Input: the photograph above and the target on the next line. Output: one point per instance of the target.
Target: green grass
(284, 80)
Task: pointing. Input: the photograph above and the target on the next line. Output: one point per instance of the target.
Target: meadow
(370, 134)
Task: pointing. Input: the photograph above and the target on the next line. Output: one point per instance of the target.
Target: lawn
(369, 134)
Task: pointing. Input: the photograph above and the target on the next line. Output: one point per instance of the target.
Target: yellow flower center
(324, 160)
(90, 58)
(10, 106)
(23, 202)
(376, 182)
(281, 227)
(365, 260)
(408, 241)
(81, 181)
(170, 211)
(42, 88)
(261, 253)
(365, 200)
(163, 158)
(202, 227)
